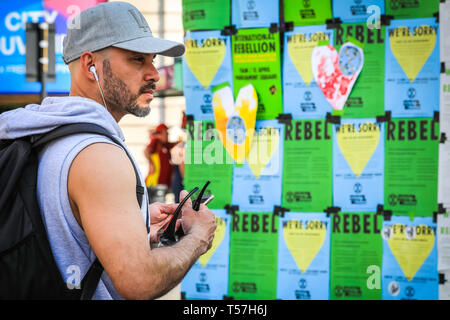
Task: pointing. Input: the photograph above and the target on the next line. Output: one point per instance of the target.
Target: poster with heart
(358, 164)
(350, 11)
(407, 9)
(206, 64)
(208, 277)
(257, 182)
(206, 14)
(307, 166)
(206, 159)
(366, 98)
(412, 68)
(443, 241)
(303, 256)
(256, 60)
(235, 120)
(302, 97)
(444, 22)
(444, 286)
(409, 259)
(253, 256)
(336, 72)
(411, 166)
(254, 13)
(303, 13)
(356, 256)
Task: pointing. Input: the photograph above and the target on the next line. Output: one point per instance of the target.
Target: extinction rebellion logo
(347, 291)
(248, 287)
(206, 107)
(202, 286)
(402, 199)
(298, 196)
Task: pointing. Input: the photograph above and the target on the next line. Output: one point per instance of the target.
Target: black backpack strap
(90, 281)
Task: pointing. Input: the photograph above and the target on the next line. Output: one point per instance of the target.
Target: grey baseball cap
(117, 24)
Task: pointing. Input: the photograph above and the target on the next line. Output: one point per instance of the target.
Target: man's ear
(86, 62)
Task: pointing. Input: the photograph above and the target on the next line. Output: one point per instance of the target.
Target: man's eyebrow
(140, 54)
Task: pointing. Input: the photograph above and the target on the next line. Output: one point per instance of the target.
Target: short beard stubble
(118, 95)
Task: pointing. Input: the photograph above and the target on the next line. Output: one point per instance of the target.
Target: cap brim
(153, 45)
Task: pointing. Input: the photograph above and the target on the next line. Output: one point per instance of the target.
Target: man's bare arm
(102, 188)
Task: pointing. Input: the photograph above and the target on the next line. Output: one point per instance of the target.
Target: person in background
(177, 155)
(158, 154)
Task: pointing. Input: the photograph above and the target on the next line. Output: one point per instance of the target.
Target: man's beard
(119, 97)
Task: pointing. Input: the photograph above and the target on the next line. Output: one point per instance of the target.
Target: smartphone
(207, 199)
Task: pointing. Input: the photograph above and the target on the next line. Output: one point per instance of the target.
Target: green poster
(356, 256)
(206, 14)
(307, 166)
(366, 99)
(256, 61)
(411, 166)
(307, 12)
(206, 159)
(253, 256)
(410, 9)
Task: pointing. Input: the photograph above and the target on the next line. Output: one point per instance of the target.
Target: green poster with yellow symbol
(356, 256)
(411, 166)
(307, 166)
(256, 61)
(366, 100)
(206, 159)
(206, 14)
(253, 256)
(307, 12)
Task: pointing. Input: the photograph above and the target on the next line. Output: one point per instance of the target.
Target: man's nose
(152, 74)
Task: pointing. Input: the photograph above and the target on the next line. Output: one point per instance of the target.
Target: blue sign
(412, 68)
(257, 183)
(202, 70)
(409, 270)
(307, 246)
(302, 96)
(208, 277)
(353, 11)
(14, 16)
(358, 165)
(254, 13)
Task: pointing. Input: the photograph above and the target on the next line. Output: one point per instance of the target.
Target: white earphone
(94, 72)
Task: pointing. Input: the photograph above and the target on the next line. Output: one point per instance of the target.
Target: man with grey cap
(86, 184)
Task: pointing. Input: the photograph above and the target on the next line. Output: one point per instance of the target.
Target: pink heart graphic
(62, 6)
(336, 73)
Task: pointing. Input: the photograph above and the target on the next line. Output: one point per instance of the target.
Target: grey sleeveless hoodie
(68, 242)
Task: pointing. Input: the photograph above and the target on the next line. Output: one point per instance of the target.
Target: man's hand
(160, 214)
(200, 224)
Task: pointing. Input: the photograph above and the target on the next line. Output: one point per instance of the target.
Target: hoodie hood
(37, 119)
